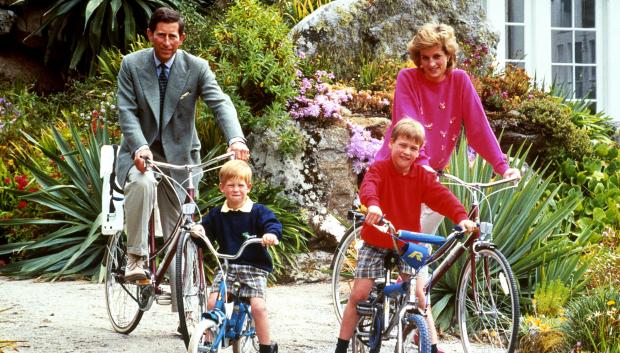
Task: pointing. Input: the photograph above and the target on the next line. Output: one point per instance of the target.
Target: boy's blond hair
(431, 35)
(409, 129)
(236, 169)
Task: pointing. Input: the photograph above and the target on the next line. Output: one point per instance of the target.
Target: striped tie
(163, 82)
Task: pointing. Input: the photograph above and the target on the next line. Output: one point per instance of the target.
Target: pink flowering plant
(9, 114)
(362, 148)
(317, 101)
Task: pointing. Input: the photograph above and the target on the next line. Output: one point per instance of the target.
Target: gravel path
(71, 317)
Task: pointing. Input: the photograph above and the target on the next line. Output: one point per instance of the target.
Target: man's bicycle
(487, 297)
(127, 301)
(228, 323)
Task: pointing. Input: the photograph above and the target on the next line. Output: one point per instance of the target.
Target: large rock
(348, 32)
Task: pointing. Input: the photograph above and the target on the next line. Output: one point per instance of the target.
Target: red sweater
(400, 198)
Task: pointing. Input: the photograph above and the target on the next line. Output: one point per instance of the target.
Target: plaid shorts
(371, 263)
(253, 280)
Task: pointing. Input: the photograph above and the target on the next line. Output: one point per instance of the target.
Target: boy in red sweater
(396, 188)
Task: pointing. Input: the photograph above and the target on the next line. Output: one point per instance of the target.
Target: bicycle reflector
(415, 255)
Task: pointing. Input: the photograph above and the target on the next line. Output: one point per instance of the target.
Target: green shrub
(594, 321)
(550, 297)
(540, 334)
(596, 179)
(295, 10)
(604, 271)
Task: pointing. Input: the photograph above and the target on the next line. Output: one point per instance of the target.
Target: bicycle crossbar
(406, 235)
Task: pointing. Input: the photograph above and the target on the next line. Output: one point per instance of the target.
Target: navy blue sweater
(228, 230)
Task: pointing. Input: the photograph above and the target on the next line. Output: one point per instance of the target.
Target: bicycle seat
(406, 235)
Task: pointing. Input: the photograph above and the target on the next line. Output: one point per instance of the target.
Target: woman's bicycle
(222, 327)
(487, 296)
(126, 301)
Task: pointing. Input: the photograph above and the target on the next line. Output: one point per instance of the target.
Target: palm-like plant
(528, 223)
(75, 246)
(84, 27)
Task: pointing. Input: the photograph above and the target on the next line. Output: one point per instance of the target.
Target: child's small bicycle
(392, 310)
(220, 327)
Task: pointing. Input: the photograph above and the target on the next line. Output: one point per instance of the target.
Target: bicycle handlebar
(216, 159)
(238, 254)
(476, 185)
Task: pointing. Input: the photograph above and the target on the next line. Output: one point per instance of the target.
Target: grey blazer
(190, 78)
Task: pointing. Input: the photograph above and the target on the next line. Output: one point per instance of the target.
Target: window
(573, 45)
(515, 32)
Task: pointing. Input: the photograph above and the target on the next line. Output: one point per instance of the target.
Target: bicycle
(393, 306)
(126, 301)
(219, 327)
(488, 310)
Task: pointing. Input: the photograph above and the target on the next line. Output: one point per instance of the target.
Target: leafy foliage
(593, 321)
(550, 297)
(596, 179)
(75, 246)
(84, 27)
(297, 10)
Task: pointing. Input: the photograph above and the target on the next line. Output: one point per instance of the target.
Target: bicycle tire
(246, 343)
(343, 266)
(357, 346)
(190, 285)
(423, 342)
(123, 310)
(496, 324)
(197, 341)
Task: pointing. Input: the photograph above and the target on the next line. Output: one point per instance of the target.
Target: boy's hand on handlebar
(241, 150)
(374, 214)
(140, 158)
(468, 225)
(512, 173)
(270, 239)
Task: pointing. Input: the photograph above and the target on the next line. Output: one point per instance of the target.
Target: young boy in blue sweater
(229, 225)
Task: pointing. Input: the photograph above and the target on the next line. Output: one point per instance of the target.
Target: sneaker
(135, 268)
(272, 348)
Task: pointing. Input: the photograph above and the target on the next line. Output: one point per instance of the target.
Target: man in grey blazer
(158, 89)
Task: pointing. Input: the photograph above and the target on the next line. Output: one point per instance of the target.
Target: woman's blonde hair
(431, 35)
(236, 169)
(409, 129)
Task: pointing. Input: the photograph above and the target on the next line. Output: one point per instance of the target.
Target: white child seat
(112, 198)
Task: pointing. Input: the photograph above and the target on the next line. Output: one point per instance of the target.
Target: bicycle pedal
(143, 282)
(164, 299)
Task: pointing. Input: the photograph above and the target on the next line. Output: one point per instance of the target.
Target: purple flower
(362, 148)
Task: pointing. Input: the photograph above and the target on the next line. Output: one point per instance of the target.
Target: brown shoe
(135, 268)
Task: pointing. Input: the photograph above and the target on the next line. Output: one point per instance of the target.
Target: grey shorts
(371, 264)
(253, 280)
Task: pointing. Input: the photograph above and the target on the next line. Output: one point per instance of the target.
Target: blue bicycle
(227, 324)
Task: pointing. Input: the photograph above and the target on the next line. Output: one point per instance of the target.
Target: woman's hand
(270, 239)
(512, 173)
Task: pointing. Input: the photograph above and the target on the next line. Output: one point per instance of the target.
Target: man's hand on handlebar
(270, 239)
(468, 225)
(241, 150)
(140, 158)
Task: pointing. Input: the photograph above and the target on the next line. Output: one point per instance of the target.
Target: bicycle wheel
(202, 336)
(120, 297)
(190, 285)
(418, 340)
(488, 305)
(357, 346)
(343, 268)
(248, 342)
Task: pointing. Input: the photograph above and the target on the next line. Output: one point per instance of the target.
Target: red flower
(22, 204)
(22, 181)
(7, 181)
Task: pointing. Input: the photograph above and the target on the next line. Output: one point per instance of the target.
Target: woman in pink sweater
(443, 99)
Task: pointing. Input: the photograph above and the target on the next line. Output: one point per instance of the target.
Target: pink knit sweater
(443, 108)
